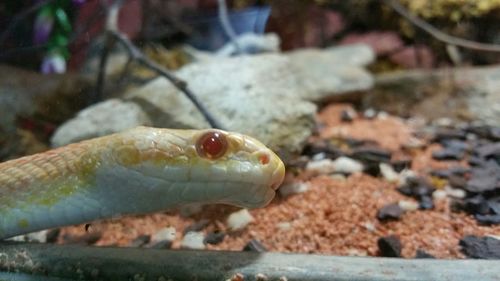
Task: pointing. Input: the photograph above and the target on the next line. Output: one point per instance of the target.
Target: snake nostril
(264, 158)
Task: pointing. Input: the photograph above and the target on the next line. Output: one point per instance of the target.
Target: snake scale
(138, 171)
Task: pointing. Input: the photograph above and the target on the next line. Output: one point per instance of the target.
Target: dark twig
(139, 57)
(19, 17)
(438, 34)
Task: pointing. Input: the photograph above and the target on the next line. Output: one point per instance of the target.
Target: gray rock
(459, 93)
(101, 119)
(331, 73)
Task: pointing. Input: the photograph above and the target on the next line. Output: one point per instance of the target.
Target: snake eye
(212, 145)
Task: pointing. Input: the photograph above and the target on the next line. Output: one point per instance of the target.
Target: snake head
(202, 166)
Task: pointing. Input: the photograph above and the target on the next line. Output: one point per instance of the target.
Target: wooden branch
(438, 34)
(75, 262)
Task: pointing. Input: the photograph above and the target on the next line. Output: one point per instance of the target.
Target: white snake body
(138, 171)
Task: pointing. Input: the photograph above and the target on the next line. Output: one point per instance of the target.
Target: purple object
(43, 26)
(53, 62)
(78, 2)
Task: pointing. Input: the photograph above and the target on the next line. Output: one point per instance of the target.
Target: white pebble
(408, 205)
(338, 177)
(370, 226)
(388, 172)
(454, 192)
(382, 115)
(284, 226)
(193, 240)
(347, 165)
(321, 167)
(167, 233)
(239, 220)
(439, 194)
(293, 188)
(319, 156)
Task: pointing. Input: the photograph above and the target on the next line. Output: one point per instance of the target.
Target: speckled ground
(335, 216)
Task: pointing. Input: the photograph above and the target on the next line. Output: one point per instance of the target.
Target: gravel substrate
(336, 214)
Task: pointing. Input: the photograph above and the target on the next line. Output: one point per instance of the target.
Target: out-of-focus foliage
(452, 9)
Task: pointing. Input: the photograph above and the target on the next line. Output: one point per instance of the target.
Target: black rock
(442, 134)
(488, 151)
(494, 206)
(426, 203)
(254, 246)
(214, 238)
(421, 254)
(347, 115)
(197, 226)
(400, 165)
(416, 187)
(495, 134)
(483, 179)
(457, 181)
(488, 219)
(448, 154)
(389, 246)
(371, 154)
(330, 150)
(140, 241)
(164, 244)
(480, 247)
(390, 212)
(477, 205)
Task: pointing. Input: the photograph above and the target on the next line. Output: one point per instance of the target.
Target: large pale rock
(329, 74)
(255, 95)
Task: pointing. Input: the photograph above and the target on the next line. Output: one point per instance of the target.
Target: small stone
(293, 188)
(455, 192)
(261, 277)
(326, 147)
(197, 226)
(347, 165)
(167, 233)
(477, 205)
(439, 194)
(390, 212)
(371, 154)
(321, 167)
(388, 172)
(285, 226)
(483, 179)
(488, 219)
(457, 181)
(407, 205)
(421, 254)
(318, 156)
(347, 115)
(448, 154)
(389, 246)
(426, 203)
(239, 220)
(214, 238)
(370, 114)
(401, 165)
(480, 247)
(446, 134)
(140, 241)
(254, 246)
(193, 240)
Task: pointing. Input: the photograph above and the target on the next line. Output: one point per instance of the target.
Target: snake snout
(278, 175)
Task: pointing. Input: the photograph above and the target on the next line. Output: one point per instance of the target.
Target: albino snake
(139, 171)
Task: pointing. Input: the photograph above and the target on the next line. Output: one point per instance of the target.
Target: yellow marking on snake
(138, 171)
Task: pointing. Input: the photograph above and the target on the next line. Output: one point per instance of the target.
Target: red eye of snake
(212, 145)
